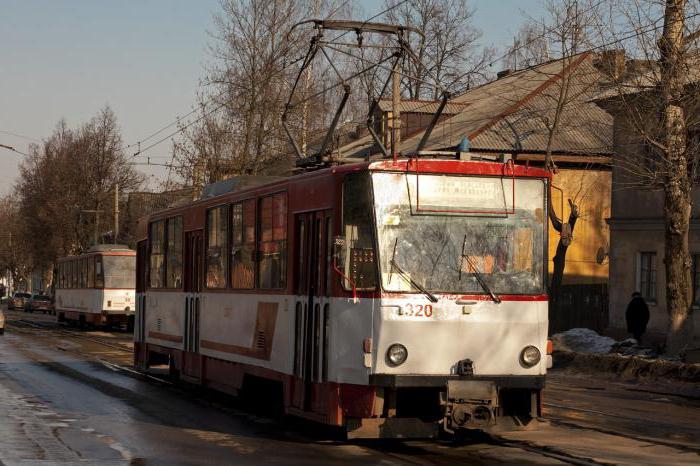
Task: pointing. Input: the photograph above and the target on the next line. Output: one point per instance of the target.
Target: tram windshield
(460, 234)
(119, 271)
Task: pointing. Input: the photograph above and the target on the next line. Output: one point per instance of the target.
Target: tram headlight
(396, 354)
(530, 356)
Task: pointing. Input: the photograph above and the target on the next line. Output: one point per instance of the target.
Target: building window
(646, 273)
(157, 256)
(243, 245)
(272, 271)
(696, 279)
(217, 247)
(173, 261)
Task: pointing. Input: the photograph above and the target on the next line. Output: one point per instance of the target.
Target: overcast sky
(68, 58)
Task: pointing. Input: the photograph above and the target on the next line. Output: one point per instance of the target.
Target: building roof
(513, 113)
(423, 106)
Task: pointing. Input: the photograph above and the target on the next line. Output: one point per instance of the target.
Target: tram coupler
(469, 404)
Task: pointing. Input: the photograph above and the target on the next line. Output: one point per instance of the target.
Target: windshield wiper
(431, 297)
(477, 274)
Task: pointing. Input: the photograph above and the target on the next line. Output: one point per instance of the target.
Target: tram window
(74, 274)
(360, 265)
(83, 272)
(91, 272)
(157, 256)
(99, 273)
(119, 271)
(243, 245)
(173, 261)
(217, 248)
(273, 242)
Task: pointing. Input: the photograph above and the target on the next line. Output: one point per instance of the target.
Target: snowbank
(582, 340)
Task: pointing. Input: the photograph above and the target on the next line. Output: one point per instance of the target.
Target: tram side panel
(164, 319)
(71, 304)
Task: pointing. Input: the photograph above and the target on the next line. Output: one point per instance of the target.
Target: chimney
(612, 63)
(503, 73)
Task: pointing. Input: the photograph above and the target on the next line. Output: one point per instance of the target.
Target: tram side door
(140, 352)
(312, 269)
(192, 361)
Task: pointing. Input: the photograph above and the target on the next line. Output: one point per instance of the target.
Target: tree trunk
(677, 184)
(559, 260)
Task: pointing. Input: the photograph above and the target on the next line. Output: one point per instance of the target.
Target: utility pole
(116, 212)
(395, 110)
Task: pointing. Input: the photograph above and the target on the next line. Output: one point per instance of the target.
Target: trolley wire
(177, 120)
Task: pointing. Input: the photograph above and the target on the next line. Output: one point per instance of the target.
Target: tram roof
(105, 250)
(407, 165)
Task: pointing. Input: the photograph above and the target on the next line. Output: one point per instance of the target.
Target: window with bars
(646, 275)
(217, 247)
(243, 244)
(272, 247)
(157, 256)
(173, 253)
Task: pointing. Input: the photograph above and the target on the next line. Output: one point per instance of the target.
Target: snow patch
(582, 340)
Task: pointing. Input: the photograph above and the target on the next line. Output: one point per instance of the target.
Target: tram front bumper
(473, 402)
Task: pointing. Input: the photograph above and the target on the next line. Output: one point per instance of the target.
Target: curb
(630, 367)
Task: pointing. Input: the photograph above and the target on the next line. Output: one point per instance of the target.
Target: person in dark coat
(637, 316)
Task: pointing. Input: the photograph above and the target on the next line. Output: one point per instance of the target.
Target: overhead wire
(140, 150)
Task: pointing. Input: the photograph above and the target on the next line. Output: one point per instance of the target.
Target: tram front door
(312, 290)
(192, 360)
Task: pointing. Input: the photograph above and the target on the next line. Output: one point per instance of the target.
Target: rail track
(71, 333)
(49, 328)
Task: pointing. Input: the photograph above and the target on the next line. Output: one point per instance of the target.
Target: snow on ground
(582, 340)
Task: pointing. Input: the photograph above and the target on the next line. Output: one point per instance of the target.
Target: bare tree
(448, 48)
(72, 172)
(564, 35)
(655, 99)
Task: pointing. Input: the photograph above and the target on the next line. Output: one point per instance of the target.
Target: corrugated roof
(423, 106)
(513, 114)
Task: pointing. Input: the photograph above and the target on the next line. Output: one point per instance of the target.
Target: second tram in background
(98, 287)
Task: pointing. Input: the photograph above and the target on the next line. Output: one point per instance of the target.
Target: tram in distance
(97, 287)
(390, 298)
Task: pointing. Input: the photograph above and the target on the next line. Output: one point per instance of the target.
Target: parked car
(18, 300)
(2, 322)
(39, 302)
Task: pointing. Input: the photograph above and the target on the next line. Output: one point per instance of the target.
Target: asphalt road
(65, 401)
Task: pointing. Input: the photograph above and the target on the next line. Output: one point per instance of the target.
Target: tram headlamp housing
(396, 354)
(530, 356)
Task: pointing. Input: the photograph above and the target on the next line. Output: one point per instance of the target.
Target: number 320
(417, 310)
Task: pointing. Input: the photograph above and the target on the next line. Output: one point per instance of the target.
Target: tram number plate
(416, 310)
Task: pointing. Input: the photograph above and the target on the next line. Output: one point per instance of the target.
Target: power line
(177, 120)
(20, 136)
(13, 149)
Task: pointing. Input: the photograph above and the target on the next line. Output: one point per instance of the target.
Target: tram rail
(74, 334)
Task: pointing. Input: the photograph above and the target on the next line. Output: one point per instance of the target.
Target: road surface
(67, 397)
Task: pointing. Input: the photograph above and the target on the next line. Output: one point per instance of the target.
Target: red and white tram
(97, 287)
(390, 298)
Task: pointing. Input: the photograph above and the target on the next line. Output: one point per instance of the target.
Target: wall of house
(590, 189)
(583, 298)
(637, 226)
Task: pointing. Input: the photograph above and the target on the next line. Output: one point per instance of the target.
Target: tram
(98, 287)
(390, 298)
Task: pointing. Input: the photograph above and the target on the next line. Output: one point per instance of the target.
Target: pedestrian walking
(637, 316)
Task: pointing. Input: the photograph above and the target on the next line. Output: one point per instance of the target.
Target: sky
(143, 58)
